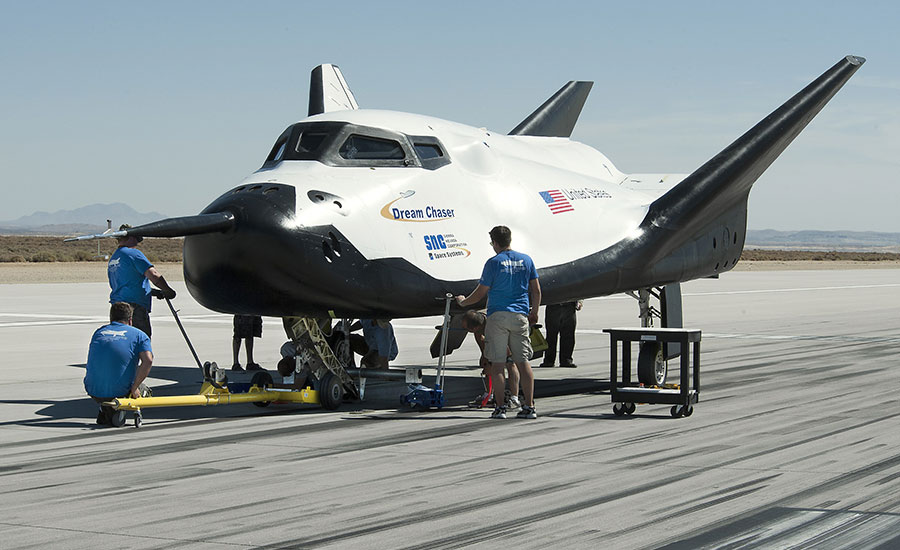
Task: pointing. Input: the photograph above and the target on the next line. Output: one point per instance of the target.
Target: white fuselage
(562, 199)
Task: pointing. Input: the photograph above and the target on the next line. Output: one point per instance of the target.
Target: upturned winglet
(558, 115)
(724, 181)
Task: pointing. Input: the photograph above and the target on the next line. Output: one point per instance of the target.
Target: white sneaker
(499, 412)
(513, 402)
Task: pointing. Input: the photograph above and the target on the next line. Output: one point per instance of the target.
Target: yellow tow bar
(211, 395)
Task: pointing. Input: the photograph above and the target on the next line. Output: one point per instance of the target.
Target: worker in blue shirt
(130, 274)
(509, 280)
(119, 360)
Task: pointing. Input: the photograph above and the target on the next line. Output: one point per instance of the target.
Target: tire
(342, 350)
(331, 392)
(652, 364)
(619, 409)
(117, 418)
(261, 379)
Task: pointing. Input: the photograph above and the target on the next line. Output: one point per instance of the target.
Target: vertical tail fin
(328, 91)
(558, 115)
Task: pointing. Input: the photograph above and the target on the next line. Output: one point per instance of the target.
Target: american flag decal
(556, 201)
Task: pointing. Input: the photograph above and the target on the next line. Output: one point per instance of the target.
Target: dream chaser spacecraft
(366, 213)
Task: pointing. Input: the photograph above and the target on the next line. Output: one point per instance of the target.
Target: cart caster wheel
(688, 411)
(138, 419)
(261, 379)
(619, 409)
(117, 419)
(675, 411)
(630, 408)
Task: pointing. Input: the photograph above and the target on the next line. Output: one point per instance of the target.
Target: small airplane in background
(359, 213)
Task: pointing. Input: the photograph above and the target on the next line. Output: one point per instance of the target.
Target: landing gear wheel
(331, 392)
(342, 351)
(117, 418)
(619, 409)
(261, 379)
(630, 408)
(651, 364)
(138, 419)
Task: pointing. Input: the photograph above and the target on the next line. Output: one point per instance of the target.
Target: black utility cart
(627, 392)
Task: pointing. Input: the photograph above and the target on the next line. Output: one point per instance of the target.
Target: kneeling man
(112, 366)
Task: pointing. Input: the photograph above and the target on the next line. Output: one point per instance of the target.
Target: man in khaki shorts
(510, 282)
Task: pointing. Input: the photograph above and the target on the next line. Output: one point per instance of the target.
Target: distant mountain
(862, 241)
(87, 219)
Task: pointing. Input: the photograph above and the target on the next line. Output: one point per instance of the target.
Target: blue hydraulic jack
(421, 396)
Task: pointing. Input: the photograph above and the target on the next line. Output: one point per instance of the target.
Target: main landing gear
(652, 365)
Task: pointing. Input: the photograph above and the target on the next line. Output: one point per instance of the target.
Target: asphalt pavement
(794, 443)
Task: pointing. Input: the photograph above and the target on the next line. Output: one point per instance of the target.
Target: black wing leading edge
(697, 228)
(725, 180)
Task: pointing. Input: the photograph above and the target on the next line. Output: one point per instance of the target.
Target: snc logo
(435, 242)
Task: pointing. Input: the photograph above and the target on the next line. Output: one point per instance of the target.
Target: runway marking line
(62, 319)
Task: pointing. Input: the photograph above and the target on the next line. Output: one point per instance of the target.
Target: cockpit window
(277, 152)
(428, 151)
(309, 142)
(343, 144)
(365, 147)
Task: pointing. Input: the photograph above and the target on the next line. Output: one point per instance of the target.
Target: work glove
(160, 294)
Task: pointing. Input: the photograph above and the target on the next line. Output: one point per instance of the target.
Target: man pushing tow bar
(130, 274)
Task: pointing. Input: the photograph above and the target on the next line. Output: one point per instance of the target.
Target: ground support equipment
(627, 393)
(211, 395)
(423, 397)
(317, 358)
(216, 390)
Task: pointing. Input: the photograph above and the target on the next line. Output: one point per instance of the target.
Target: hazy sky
(164, 105)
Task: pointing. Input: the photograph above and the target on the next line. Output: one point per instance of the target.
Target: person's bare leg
(513, 376)
(526, 378)
(249, 344)
(498, 381)
(235, 348)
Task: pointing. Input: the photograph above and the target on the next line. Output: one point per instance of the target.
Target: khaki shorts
(507, 329)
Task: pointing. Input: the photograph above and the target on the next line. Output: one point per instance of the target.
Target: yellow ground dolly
(212, 395)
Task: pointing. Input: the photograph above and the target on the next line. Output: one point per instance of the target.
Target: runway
(794, 443)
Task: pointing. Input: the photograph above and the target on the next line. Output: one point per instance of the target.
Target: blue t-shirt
(113, 359)
(126, 277)
(508, 275)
